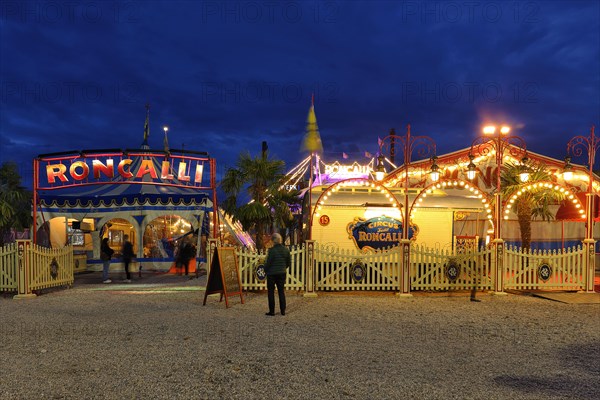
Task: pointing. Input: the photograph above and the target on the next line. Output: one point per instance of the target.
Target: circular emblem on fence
(324, 220)
(452, 270)
(544, 271)
(54, 268)
(358, 271)
(260, 272)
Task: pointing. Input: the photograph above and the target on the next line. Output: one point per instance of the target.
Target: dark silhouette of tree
(263, 180)
(15, 201)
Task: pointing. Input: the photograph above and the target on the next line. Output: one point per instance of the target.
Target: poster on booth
(224, 278)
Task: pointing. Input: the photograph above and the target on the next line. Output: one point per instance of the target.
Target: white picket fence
(445, 269)
(431, 269)
(8, 268)
(529, 270)
(249, 260)
(343, 269)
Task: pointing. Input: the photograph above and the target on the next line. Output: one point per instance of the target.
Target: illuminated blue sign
(377, 233)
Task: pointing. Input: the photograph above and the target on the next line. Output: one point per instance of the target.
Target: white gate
(444, 269)
(337, 269)
(248, 260)
(562, 269)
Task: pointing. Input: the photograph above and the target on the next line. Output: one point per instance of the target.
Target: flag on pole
(368, 155)
(312, 139)
(379, 141)
(146, 126)
(344, 155)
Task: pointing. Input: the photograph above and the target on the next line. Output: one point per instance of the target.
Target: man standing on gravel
(127, 254)
(276, 265)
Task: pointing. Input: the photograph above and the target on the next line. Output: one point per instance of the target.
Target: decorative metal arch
(507, 206)
(486, 199)
(365, 182)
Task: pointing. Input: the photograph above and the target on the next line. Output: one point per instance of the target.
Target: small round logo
(54, 268)
(452, 270)
(260, 272)
(358, 271)
(544, 271)
(324, 220)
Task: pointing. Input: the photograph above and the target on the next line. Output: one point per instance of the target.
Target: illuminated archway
(507, 207)
(483, 196)
(353, 182)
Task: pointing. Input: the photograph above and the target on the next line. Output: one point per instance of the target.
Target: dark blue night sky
(224, 76)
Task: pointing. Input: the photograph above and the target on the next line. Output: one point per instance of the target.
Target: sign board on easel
(224, 277)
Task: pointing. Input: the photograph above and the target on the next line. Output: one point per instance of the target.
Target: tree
(262, 178)
(531, 204)
(15, 201)
(284, 203)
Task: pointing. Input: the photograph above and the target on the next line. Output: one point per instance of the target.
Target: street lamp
(471, 168)
(165, 140)
(499, 140)
(568, 169)
(435, 170)
(576, 147)
(425, 147)
(524, 174)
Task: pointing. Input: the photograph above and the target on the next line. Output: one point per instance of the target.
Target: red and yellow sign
(132, 168)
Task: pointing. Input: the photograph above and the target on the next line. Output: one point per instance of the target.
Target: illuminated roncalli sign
(339, 171)
(142, 167)
(378, 232)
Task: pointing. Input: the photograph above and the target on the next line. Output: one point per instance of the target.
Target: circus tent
(143, 196)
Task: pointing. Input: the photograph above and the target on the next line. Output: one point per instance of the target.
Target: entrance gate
(439, 269)
(354, 270)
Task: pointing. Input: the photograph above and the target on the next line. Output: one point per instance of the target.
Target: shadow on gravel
(578, 379)
(584, 357)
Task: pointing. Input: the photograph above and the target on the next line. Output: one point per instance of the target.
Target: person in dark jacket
(276, 265)
(127, 254)
(105, 255)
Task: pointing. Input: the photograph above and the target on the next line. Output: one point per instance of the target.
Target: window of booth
(117, 229)
(161, 236)
(79, 233)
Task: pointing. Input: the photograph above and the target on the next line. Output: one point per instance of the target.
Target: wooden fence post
(405, 269)
(589, 264)
(498, 266)
(309, 254)
(23, 270)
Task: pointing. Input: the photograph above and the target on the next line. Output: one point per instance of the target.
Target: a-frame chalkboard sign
(224, 277)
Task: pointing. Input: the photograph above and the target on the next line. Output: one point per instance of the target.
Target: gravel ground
(144, 342)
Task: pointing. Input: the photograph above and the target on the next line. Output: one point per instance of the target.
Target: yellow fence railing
(8, 268)
(50, 267)
(25, 267)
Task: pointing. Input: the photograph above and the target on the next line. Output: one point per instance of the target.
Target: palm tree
(15, 201)
(262, 178)
(531, 204)
(284, 203)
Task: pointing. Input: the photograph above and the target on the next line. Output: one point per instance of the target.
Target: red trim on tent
(568, 212)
